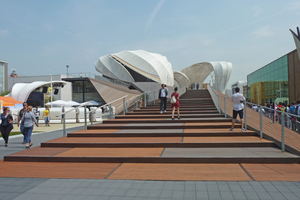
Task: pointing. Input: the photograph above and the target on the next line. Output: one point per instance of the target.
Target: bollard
(245, 115)
(225, 107)
(261, 126)
(282, 132)
(85, 121)
(64, 126)
(126, 107)
(124, 111)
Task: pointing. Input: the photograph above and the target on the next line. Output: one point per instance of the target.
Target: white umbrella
(91, 103)
(73, 103)
(57, 103)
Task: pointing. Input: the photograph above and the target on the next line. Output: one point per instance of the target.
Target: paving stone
(239, 195)
(120, 192)
(277, 195)
(166, 193)
(264, 195)
(290, 196)
(142, 193)
(154, 193)
(251, 195)
(131, 193)
(214, 195)
(226, 195)
(189, 194)
(235, 188)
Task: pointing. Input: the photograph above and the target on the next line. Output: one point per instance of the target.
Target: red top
(176, 105)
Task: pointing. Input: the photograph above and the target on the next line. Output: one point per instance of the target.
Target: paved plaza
(137, 156)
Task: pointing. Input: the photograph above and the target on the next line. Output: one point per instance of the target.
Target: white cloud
(153, 14)
(3, 32)
(257, 10)
(263, 32)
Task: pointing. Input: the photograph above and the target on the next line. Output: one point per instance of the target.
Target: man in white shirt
(238, 106)
(163, 95)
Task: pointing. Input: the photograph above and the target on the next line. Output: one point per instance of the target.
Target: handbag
(173, 99)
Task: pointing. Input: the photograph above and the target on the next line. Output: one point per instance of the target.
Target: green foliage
(4, 93)
(48, 99)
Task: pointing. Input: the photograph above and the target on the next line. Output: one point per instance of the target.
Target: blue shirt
(292, 109)
(4, 121)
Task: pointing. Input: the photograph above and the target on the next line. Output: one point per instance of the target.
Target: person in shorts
(46, 115)
(238, 107)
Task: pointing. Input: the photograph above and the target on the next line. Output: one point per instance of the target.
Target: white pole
(51, 90)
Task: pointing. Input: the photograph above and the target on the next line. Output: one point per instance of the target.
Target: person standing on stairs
(175, 103)
(238, 107)
(163, 95)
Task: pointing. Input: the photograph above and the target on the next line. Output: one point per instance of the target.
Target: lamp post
(67, 70)
(51, 90)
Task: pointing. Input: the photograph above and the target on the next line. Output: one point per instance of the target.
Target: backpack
(173, 99)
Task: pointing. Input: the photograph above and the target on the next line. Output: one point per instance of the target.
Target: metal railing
(225, 106)
(140, 100)
(64, 115)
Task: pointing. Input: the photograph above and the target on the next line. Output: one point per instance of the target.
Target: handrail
(72, 109)
(281, 115)
(107, 104)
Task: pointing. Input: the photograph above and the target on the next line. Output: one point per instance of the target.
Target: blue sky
(40, 37)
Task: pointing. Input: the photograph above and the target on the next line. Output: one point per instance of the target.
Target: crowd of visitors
(194, 86)
(273, 111)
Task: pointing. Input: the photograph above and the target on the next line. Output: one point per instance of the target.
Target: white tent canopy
(91, 103)
(61, 103)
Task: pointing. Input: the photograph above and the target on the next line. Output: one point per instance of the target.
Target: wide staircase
(146, 137)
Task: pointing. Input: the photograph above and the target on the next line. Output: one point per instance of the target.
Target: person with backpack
(175, 103)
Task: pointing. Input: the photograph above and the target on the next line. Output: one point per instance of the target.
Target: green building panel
(270, 83)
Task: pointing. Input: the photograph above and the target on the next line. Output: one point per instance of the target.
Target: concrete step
(166, 120)
(155, 155)
(159, 116)
(215, 111)
(170, 109)
(219, 125)
(160, 133)
(182, 142)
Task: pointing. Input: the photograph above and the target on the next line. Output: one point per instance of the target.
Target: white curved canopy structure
(136, 66)
(220, 72)
(181, 79)
(21, 91)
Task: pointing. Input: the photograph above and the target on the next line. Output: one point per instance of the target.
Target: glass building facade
(83, 91)
(270, 83)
